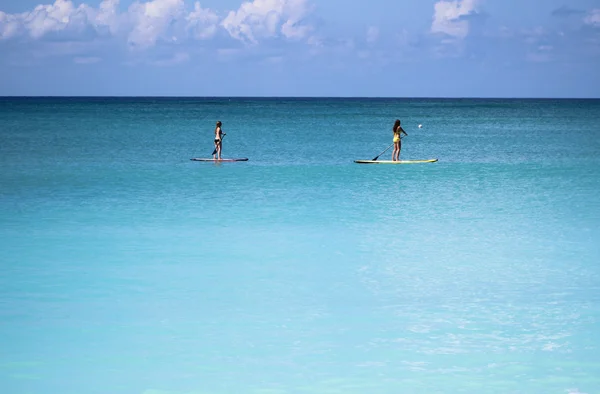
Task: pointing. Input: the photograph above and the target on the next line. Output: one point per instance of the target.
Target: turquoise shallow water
(128, 268)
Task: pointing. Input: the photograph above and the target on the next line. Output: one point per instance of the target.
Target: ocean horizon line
(294, 97)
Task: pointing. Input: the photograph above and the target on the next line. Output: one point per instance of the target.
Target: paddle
(215, 151)
(377, 157)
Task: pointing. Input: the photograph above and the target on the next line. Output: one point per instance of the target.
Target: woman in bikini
(398, 130)
(218, 141)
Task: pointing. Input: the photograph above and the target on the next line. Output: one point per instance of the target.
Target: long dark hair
(396, 125)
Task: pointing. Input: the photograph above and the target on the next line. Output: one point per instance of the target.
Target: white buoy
(420, 126)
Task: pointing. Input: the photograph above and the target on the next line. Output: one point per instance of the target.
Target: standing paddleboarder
(218, 141)
(398, 130)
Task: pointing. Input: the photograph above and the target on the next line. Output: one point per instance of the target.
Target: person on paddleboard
(398, 130)
(218, 141)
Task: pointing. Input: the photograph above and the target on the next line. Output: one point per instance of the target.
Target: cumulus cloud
(62, 17)
(107, 16)
(202, 22)
(167, 20)
(593, 18)
(9, 26)
(148, 22)
(452, 18)
(296, 11)
(268, 18)
(152, 20)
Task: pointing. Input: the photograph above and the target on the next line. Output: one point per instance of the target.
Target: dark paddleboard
(219, 160)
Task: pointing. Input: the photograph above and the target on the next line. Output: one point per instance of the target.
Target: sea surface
(126, 268)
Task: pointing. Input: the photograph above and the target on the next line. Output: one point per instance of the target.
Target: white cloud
(593, 18)
(266, 19)
(48, 18)
(107, 15)
(42, 20)
(450, 17)
(202, 22)
(151, 20)
(9, 26)
(169, 21)
(62, 17)
(296, 11)
(147, 22)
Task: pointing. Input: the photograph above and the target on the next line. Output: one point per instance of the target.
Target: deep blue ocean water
(126, 268)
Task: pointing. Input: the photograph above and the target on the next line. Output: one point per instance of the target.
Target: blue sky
(380, 48)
